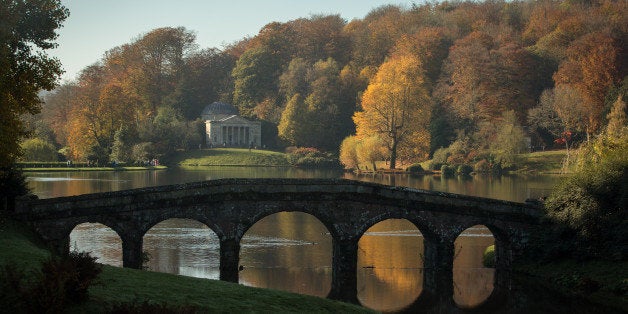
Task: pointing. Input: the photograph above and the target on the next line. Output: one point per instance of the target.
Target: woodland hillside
(452, 80)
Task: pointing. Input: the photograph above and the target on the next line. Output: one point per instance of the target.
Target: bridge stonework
(346, 208)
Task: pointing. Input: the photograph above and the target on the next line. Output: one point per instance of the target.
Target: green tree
(27, 30)
(255, 79)
(510, 140)
(293, 121)
(36, 149)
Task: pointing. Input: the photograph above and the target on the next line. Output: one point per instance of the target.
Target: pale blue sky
(95, 26)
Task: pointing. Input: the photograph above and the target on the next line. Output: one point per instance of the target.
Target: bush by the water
(416, 168)
(464, 170)
(488, 259)
(309, 157)
(588, 212)
(446, 170)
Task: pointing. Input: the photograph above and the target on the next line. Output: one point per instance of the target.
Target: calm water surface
(292, 251)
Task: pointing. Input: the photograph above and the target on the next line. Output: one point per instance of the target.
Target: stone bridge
(347, 209)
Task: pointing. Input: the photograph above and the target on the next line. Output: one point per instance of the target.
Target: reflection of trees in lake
(473, 283)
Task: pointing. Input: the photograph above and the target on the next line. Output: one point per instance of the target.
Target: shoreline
(79, 169)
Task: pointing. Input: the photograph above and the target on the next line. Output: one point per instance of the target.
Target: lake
(292, 251)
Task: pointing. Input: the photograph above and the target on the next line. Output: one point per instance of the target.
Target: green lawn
(19, 246)
(231, 157)
(542, 162)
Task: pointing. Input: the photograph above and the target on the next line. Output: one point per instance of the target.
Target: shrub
(488, 259)
(415, 168)
(64, 280)
(590, 206)
(309, 157)
(446, 170)
(439, 158)
(60, 282)
(482, 166)
(464, 169)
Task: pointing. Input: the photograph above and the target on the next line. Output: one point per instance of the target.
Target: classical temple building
(224, 127)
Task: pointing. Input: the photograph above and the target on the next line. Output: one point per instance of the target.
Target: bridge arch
(302, 254)
(390, 265)
(166, 215)
(101, 241)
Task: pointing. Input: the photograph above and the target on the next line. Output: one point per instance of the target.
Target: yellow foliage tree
(396, 107)
(371, 150)
(348, 156)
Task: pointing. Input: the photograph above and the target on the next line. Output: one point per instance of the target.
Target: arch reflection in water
(99, 240)
(290, 251)
(390, 265)
(183, 246)
(473, 283)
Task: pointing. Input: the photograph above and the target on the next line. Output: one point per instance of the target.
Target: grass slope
(231, 157)
(19, 245)
(541, 162)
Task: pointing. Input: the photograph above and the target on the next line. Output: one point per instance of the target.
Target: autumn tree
(485, 76)
(27, 31)
(56, 110)
(348, 155)
(370, 150)
(395, 106)
(591, 69)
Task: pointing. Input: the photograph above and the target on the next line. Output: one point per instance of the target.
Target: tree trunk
(393, 155)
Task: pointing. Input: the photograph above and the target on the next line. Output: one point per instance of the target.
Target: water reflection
(183, 246)
(390, 265)
(287, 251)
(98, 239)
(473, 283)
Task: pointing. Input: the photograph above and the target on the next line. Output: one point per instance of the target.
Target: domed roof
(219, 108)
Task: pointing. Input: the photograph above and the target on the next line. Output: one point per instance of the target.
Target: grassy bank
(541, 162)
(19, 246)
(59, 169)
(231, 157)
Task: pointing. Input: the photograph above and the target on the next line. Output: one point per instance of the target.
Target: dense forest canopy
(471, 76)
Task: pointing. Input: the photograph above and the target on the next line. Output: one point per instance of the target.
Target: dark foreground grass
(19, 246)
(600, 282)
(231, 157)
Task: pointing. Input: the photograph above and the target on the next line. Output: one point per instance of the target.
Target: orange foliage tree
(396, 107)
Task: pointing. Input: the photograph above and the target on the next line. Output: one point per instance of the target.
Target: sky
(96, 26)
